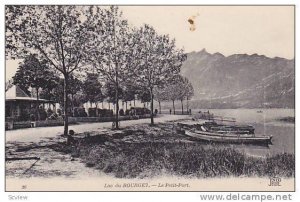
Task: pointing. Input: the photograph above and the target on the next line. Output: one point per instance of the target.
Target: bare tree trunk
(117, 108)
(126, 105)
(109, 105)
(159, 107)
(72, 104)
(133, 101)
(117, 79)
(187, 105)
(173, 107)
(37, 104)
(66, 85)
(152, 116)
(102, 105)
(117, 99)
(96, 104)
(181, 106)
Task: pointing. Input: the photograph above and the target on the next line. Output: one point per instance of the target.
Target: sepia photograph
(149, 98)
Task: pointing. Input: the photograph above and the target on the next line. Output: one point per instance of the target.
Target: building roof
(15, 93)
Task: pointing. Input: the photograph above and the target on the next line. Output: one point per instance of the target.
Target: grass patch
(172, 155)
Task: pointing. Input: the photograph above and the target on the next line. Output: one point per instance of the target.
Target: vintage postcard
(149, 98)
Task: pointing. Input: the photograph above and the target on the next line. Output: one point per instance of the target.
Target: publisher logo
(275, 181)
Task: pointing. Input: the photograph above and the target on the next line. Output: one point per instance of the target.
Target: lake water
(265, 123)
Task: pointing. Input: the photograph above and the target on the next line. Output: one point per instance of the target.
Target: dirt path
(36, 142)
(38, 134)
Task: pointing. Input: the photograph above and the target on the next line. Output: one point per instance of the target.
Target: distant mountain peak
(218, 54)
(203, 50)
(236, 55)
(253, 79)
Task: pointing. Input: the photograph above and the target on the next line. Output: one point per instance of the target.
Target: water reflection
(266, 123)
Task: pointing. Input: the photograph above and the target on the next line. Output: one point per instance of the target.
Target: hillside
(240, 80)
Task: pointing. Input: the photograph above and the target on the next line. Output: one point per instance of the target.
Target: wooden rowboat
(231, 139)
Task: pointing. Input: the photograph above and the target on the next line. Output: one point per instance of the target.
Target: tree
(92, 89)
(172, 94)
(56, 92)
(59, 34)
(129, 93)
(35, 74)
(159, 60)
(173, 89)
(75, 86)
(110, 92)
(47, 92)
(112, 54)
(189, 92)
(179, 88)
(160, 94)
(183, 86)
(144, 95)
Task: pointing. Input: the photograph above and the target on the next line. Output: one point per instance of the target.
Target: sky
(265, 30)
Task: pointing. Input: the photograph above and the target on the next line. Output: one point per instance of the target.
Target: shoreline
(142, 151)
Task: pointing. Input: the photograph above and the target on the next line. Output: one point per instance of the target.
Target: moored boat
(212, 132)
(200, 135)
(211, 126)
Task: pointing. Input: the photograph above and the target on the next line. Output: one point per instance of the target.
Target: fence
(107, 119)
(9, 125)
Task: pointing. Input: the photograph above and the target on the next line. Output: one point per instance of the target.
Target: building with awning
(18, 104)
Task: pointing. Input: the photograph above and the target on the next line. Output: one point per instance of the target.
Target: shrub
(79, 112)
(105, 112)
(121, 112)
(82, 112)
(43, 114)
(127, 112)
(92, 112)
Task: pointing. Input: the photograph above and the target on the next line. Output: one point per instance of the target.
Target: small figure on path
(70, 139)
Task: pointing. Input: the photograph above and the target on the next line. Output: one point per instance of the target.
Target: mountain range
(240, 80)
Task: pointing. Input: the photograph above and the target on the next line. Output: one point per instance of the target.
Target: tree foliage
(109, 91)
(128, 61)
(92, 89)
(34, 74)
(58, 34)
(111, 58)
(159, 60)
(178, 88)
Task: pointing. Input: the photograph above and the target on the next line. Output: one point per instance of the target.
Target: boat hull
(263, 140)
